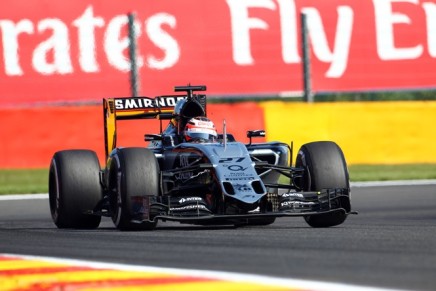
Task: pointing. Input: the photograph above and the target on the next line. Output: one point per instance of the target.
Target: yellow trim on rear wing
(134, 108)
(161, 107)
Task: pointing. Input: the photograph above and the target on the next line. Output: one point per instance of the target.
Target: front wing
(291, 204)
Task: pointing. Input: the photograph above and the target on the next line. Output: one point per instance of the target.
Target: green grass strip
(23, 181)
(36, 180)
(392, 172)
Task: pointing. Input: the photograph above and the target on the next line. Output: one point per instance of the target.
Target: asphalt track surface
(390, 244)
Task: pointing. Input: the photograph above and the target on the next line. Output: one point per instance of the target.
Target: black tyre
(74, 189)
(134, 173)
(325, 167)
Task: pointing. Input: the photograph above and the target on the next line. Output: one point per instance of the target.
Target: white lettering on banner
(289, 31)
(338, 57)
(53, 56)
(86, 25)
(241, 25)
(430, 11)
(10, 33)
(115, 46)
(58, 44)
(385, 19)
(163, 41)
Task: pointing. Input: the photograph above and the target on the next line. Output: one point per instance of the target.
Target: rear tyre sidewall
(74, 189)
(325, 167)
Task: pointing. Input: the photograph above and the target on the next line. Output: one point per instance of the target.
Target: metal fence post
(307, 81)
(134, 76)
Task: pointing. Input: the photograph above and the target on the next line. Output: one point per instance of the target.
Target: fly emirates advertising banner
(76, 51)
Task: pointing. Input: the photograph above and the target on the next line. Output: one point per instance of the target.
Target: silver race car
(213, 180)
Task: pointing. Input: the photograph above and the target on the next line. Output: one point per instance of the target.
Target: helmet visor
(202, 135)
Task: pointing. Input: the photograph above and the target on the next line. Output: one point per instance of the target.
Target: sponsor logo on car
(146, 102)
(236, 168)
(239, 178)
(297, 204)
(190, 207)
(190, 199)
(242, 187)
(292, 195)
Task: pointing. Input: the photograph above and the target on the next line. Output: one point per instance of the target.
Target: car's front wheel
(134, 179)
(325, 167)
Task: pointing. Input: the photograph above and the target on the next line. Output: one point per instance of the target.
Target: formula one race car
(211, 181)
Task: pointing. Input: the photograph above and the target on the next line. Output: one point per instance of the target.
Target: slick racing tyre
(74, 189)
(325, 167)
(134, 173)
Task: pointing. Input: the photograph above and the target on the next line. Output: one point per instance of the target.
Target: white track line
(23, 196)
(393, 183)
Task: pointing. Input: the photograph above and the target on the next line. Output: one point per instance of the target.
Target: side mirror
(255, 133)
(151, 137)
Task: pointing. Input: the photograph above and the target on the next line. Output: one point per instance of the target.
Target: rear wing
(131, 108)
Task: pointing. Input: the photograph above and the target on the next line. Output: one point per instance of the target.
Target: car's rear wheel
(74, 189)
(325, 167)
(134, 178)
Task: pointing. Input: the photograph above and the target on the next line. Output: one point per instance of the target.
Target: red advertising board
(77, 50)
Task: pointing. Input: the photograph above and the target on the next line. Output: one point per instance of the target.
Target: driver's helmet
(200, 129)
